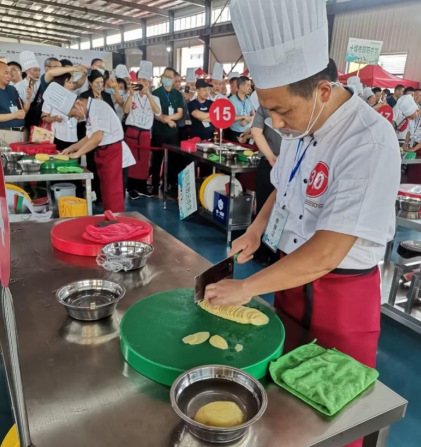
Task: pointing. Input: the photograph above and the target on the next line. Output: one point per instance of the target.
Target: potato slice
(196, 339)
(220, 414)
(239, 348)
(42, 157)
(239, 314)
(218, 342)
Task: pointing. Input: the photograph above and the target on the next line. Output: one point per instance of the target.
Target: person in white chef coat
(141, 108)
(31, 83)
(405, 111)
(336, 180)
(217, 82)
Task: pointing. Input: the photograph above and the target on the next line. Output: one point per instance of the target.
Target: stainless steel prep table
(17, 176)
(230, 168)
(80, 392)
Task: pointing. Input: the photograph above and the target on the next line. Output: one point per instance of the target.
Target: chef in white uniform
(405, 111)
(336, 180)
(32, 69)
(217, 82)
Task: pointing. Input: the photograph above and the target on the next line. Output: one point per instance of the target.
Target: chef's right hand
(69, 150)
(246, 245)
(19, 115)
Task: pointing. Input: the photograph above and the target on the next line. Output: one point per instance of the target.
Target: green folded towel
(326, 379)
(69, 170)
(215, 158)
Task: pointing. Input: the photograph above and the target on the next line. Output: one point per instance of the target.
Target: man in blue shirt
(392, 100)
(12, 115)
(199, 112)
(244, 110)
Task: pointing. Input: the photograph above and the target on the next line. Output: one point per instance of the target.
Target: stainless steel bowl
(4, 150)
(229, 155)
(14, 157)
(90, 299)
(254, 160)
(410, 204)
(136, 253)
(205, 384)
(30, 165)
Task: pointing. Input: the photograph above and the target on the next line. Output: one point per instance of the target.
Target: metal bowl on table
(30, 165)
(229, 155)
(14, 157)
(410, 204)
(90, 299)
(205, 384)
(135, 253)
(254, 160)
(4, 150)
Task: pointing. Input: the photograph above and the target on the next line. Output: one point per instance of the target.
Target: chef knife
(223, 270)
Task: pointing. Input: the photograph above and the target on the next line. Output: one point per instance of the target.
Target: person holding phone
(244, 109)
(141, 108)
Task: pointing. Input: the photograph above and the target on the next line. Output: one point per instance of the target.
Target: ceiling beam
(196, 2)
(139, 7)
(46, 22)
(64, 39)
(17, 26)
(61, 16)
(11, 36)
(357, 5)
(97, 12)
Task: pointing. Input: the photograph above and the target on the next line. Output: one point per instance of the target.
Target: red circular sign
(386, 112)
(222, 114)
(319, 179)
(4, 235)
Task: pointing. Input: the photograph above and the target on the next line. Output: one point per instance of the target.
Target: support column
(206, 53)
(171, 41)
(91, 40)
(143, 47)
(206, 38)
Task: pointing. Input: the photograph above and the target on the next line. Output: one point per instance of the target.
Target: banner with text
(187, 200)
(363, 51)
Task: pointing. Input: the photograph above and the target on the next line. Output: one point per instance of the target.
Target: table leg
(230, 208)
(54, 206)
(377, 439)
(165, 178)
(89, 196)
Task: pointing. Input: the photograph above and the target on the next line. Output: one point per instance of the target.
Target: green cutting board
(152, 330)
(52, 165)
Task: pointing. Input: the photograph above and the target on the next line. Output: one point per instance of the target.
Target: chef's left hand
(74, 155)
(229, 292)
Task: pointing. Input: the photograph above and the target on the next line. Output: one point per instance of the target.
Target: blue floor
(399, 354)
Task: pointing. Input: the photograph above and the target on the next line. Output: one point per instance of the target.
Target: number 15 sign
(222, 114)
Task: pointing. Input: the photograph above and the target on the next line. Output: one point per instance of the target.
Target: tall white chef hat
(233, 74)
(367, 93)
(407, 105)
(191, 75)
(28, 60)
(57, 97)
(283, 41)
(122, 72)
(353, 80)
(218, 72)
(145, 70)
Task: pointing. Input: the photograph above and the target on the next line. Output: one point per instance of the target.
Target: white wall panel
(399, 27)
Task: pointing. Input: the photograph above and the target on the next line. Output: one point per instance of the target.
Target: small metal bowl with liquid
(90, 299)
(205, 384)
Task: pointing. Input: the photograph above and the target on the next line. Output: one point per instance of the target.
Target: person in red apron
(336, 179)
(141, 108)
(104, 132)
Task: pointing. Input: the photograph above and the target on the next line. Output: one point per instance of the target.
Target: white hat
(145, 70)
(283, 41)
(407, 105)
(191, 75)
(353, 80)
(233, 74)
(367, 93)
(218, 72)
(122, 72)
(57, 97)
(28, 60)
(360, 88)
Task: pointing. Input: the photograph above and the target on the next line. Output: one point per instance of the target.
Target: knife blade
(223, 270)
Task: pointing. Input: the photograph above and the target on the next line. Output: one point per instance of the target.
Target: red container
(34, 148)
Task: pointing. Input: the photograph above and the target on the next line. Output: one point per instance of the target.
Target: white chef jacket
(402, 124)
(64, 131)
(415, 130)
(141, 114)
(22, 86)
(347, 183)
(102, 117)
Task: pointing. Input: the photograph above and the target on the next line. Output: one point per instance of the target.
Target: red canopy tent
(340, 74)
(375, 76)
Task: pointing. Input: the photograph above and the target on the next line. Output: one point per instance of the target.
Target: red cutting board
(67, 236)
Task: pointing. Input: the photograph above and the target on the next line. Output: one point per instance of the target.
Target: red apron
(139, 142)
(109, 162)
(342, 311)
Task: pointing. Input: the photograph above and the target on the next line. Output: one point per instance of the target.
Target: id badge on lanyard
(140, 117)
(279, 216)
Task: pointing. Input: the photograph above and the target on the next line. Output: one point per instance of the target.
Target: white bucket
(64, 190)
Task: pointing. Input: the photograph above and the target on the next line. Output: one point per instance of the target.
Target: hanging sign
(4, 235)
(387, 112)
(187, 200)
(361, 51)
(222, 114)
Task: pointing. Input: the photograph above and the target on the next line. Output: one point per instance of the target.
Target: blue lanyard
(168, 97)
(298, 160)
(243, 103)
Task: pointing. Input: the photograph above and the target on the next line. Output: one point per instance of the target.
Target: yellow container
(72, 207)
(11, 439)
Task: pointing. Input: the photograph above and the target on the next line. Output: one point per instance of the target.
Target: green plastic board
(152, 330)
(52, 165)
